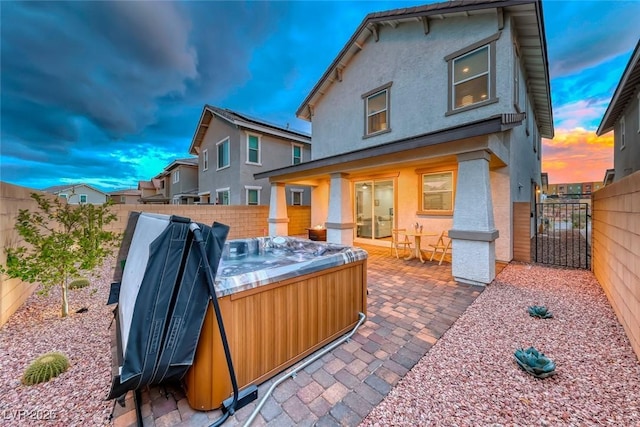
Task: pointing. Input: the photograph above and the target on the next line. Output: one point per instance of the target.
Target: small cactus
(44, 368)
(535, 363)
(80, 283)
(540, 311)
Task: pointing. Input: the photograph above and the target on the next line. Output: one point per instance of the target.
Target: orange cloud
(577, 155)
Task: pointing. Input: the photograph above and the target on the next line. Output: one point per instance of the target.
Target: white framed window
(253, 149)
(205, 160)
(377, 110)
(252, 194)
(296, 196)
(222, 196)
(123, 199)
(296, 154)
(622, 133)
(516, 77)
(223, 153)
(437, 193)
(176, 176)
(63, 195)
(472, 76)
(176, 200)
(83, 198)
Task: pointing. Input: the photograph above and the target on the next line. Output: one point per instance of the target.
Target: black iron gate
(563, 235)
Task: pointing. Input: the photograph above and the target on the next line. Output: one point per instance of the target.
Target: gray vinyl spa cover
(163, 298)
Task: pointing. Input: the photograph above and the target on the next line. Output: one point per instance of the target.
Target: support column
(474, 233)
(340, 218)
(278, 218)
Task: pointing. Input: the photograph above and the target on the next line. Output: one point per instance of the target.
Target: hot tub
(281, 299)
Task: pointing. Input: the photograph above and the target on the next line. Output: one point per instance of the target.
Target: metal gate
(563, 234)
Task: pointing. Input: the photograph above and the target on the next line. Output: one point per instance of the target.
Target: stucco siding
(627, 160)
(415, 64)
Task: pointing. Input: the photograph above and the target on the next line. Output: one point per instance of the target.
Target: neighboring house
(127, 196)
(176, 184)
(431, 114)
(153, 191)
(623, 118)
(572, 190)
(78, 194)
(232, 147)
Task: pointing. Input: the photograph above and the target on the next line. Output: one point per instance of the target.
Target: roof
(146, 185)
(399, 150)
(624, 92)
(189, 161)
(528, 22)
(243, 121)
(56, 189)
(125, 192)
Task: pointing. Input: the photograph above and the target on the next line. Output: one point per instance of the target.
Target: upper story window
(63, 195)
(377, 110)
(176, 176)
(253, 149)
(83, 198)
(253, 194)
(205, 160)
(296, 154)
(472, 76)
(223, 153)
(516, 77)
(622, 133)
(123, 199)
(437, 193)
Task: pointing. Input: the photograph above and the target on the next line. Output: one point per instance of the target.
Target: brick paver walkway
(410, 306)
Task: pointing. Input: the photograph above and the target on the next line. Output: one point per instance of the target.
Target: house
(431, 114)
(623, 118)
(232, 147)
(128, 196)
(78, 194)
(176, 184)
(153, 191)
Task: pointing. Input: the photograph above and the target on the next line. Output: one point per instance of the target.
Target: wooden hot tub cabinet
(271, 327)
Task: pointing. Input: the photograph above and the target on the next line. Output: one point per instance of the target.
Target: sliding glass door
(374, 209)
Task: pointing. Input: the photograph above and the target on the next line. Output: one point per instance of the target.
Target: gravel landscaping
(468, 378)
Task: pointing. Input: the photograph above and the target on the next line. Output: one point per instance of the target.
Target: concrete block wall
(616, 250)
(13, 292)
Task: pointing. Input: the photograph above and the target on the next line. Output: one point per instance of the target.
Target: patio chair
(442, 246)
(397, 240)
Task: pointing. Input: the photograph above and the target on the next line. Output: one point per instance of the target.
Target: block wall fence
(244, 221)
(616, 250)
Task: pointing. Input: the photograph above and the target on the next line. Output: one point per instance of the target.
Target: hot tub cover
(162, 298)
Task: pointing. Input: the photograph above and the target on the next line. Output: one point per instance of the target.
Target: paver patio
(410, 306)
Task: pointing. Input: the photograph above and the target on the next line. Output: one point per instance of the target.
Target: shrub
(44, 368)
(80, 283)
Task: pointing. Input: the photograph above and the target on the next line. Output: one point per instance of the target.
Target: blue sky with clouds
(108, 93)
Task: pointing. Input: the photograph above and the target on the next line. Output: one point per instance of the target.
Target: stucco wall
(627, 160)
(616, 250)
(244, 221)
(415, 63)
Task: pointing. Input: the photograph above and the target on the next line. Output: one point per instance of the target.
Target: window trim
(516, 76)
(175, 176)
(298, 191)
(365, 97)
(623, 131)
(222, 141)
(247, 189)
(86, 199)
(492, 98)
(432, 171)
(205, 159)
(293, 155)
(63, 195)
(223, 190)
(259, 162)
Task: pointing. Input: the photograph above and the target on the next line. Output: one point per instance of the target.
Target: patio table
(417, 253)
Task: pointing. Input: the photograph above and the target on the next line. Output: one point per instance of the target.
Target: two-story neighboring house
(77, 194)
(623, 118)
(127, 196)
(232, 147)
(431, 114)
(181, 177)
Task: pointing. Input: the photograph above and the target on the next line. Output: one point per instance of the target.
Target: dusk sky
(109, 93)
